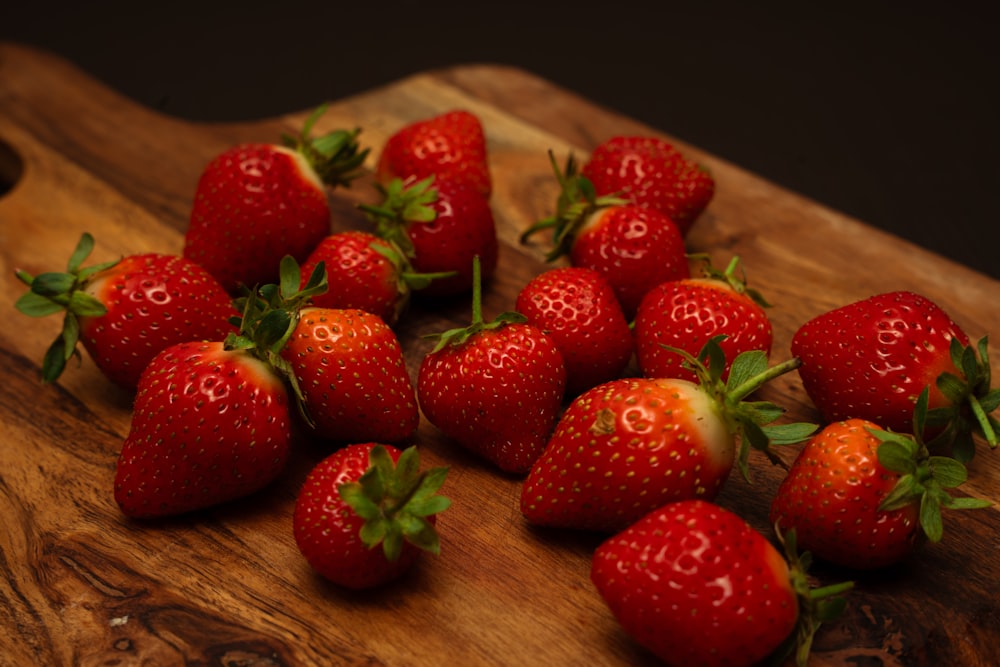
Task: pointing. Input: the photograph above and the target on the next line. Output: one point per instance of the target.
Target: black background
(887, 111)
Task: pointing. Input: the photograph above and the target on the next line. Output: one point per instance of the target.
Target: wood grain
(84, 586)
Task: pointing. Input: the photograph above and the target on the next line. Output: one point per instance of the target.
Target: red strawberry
(367, 273)
(126, 312)
(686, 313)
(649, 171)
(696, 585)
(359, 497)
(440, 224)
(863, 497)
(635, 248)
(578, 309)
(211, 424)
(256, 203)
(494, 387)
(871, 359)
(451, 146)
(628, 446)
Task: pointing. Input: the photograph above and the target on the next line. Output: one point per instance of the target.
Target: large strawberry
(451, 146)
(686, 313)
(440, 224)
(578, 309)
(635, 248)
(863, 497)
(696, 585)
(256, 203)
(651, 172)
(871, 359)
(494, 387)
(629, 446)
(363, 496)
(125, 312)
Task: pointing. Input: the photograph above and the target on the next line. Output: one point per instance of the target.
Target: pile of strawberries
(619, 385)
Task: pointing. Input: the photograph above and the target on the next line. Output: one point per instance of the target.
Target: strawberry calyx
(407, 278)
(335, 156)
(51, 292)
(972, 400)
(395, 501)
(403, 203)
(577, 201)
(738, 283)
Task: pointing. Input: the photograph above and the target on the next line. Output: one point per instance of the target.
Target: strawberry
(255, 203)
(696, 585)
(651, 172)
(125, 312)
(451, 146)
(870, 359)
(494, 387)
(628, 446)
(863, 497)
(635, 248)
(686, 313)
(362, 496)
(367, 273)
(440, 224)
(578, 309)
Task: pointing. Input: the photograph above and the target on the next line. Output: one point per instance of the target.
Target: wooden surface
(81, 585)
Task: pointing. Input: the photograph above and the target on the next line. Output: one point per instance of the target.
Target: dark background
(887, 111)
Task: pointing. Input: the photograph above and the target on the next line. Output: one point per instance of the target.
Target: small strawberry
(628, 446)
(651, 172)
(863, 497)
(256, 203)
(440, 224)
(686, 313)
(871, 359)
(635, 248)
(125, 312)
(362, 496)
(451, 146)
(494, 387)
(578, 309)
(696, 585)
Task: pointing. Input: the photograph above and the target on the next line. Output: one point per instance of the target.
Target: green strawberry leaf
(947, 472)
(36, 305)
(930, 517)
(789, 434)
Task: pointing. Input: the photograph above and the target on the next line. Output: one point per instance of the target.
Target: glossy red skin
(634, 249)
(450, 146)
(831, 497)
(254, 204)
(696, 585)
(871, 359)
(651, 172)
(349, 365)
(326, 529)
(358, 276)
(577, 308)
(685, 314)
(498, 394)
(208, 426)
(153, 301)
(624, 448)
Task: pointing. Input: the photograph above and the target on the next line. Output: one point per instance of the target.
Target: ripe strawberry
(256, 203)
(649, 171)
(451, 146)
(211, 424)
(871, 359)
(494, 387)
(440, 225)
(127, 311)
(686, 313)
(635, 248)
(628, 446)
(577, 308)
(696, 585)
(863, 497)
(359, 497)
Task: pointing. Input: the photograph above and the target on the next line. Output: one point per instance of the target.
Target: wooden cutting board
(82, 585)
